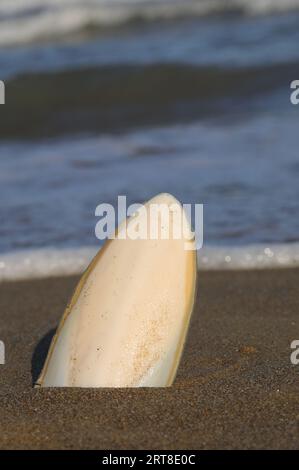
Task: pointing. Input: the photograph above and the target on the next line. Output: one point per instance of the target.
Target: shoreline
(42, 263)
(236, 387)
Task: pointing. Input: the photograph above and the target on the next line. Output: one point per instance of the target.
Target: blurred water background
(138, 97)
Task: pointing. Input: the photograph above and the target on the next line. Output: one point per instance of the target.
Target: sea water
(136, 98)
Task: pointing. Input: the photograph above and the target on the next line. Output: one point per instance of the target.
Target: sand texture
(236, 386)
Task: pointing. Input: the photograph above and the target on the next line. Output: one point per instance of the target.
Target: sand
(236, 386)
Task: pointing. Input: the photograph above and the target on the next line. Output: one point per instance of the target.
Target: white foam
(249, 257)
(49, 262)
(29, 20)
(41, 263)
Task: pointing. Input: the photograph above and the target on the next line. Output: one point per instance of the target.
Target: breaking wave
(34, 20)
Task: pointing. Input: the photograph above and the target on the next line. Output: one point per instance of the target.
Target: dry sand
(235, 388)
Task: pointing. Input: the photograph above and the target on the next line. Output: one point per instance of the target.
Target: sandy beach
(235, 388)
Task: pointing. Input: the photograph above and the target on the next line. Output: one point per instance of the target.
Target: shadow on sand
(40, 354)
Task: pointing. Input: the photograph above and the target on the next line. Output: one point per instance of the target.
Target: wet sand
(236, 386)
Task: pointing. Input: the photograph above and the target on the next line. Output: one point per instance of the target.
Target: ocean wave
(49, 262)
(87, 100)
(24, 21)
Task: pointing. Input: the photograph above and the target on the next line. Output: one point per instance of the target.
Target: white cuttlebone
(128, 318)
